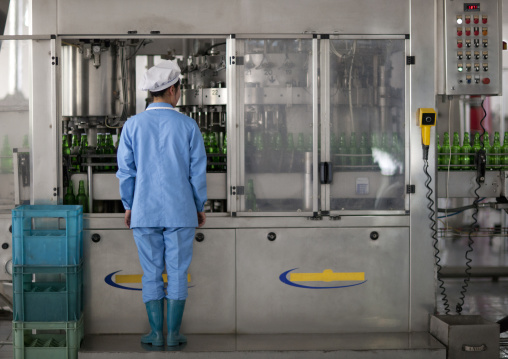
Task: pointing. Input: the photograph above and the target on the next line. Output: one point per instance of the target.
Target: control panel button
(485, 67)
(468, 67)
(460, 67)
(476, 19)
(459, 44)
(485, 43)
(476, 42)
(486, 81)
(485, 55)
(468, 55)
(460, 55)
(484, 19)
(468, 43)
(485, 31)
(476, 31)
(468, 19)
(476, 55)
(459, 31)
(477, 67)
(469, 79)
(468, 31)
(477, 79)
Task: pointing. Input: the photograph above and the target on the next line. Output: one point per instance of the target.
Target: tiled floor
(486, 297)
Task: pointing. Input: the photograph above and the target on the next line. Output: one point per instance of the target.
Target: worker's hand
(128, 218)
(201, 219)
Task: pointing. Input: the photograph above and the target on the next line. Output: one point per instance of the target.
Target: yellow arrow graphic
(327, 276)
(136, 278)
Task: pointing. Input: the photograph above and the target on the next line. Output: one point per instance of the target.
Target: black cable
(470, 241)
(433, 228)
(216, 45)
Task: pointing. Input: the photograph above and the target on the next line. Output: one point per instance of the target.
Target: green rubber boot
(155, 311)
(175, 313)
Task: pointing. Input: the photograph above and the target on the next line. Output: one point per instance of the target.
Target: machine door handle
(325, 172)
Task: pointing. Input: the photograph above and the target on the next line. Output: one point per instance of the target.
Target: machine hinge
(410, 60)
(410, 188)
(316, 217)
(54, 60)
(56, 191)
(236, 60)
(237, 190)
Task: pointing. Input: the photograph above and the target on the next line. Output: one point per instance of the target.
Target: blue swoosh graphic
(284, 279)
(109, 280)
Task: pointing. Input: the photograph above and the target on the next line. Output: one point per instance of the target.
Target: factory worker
(162, 173)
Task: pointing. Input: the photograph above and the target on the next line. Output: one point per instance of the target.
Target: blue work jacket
(162, 168)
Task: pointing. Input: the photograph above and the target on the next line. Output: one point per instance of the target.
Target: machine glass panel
(367, 80)
(277, 110)
(15, 90)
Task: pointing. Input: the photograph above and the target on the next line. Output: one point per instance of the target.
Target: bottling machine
(317, 215)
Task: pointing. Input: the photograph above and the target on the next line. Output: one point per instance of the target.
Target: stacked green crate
(47, 281)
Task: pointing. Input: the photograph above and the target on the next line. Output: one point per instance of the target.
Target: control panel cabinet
(473, 45)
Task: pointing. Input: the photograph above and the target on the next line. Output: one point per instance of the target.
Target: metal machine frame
(411, 20)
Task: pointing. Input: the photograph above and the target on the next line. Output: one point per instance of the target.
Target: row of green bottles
(463, 157)
(211, 142)
(274, 142)
(80, 199)
(363, 151)
(105, 145)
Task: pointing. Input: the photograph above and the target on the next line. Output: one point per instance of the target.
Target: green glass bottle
(396, 147)
(439, 150)
(109, 149)
(363, 150)
(446, 151)
(99, 150)
(225, 152)
(300, 143)
(290, 144)
(69, 197)
(353, 150)
(205, 139)
(488, 150)
(309, 143)
(476, 144)
(212, 141)
(455, 152)
(342, 150)
(504, 151)
(496, 152)
(384, 143)
(250, 197)
(374, 146)
(6, 154)
(83, 150)
(81, 198)
(65, 146)
(466, 159)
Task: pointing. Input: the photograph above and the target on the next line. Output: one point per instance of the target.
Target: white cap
(161, 76)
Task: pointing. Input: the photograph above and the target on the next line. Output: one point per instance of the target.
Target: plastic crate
(55, 295)
(50, 340)
(48, 246)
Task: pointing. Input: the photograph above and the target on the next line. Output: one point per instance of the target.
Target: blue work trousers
(170, 246)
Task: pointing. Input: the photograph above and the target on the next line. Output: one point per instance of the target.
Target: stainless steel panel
(267, 305)
(254, 17)
(105, 185)
(5, 253)
(215, 96)
(44, 129)
(114, 310)
(366, 185)
(457, 79)
(463, 184)
(191, 97)
(216, 186)
(421, 94)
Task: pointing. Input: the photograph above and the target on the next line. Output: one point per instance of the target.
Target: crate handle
(474, 348)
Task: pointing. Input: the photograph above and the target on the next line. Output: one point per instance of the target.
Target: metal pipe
(307, 189)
